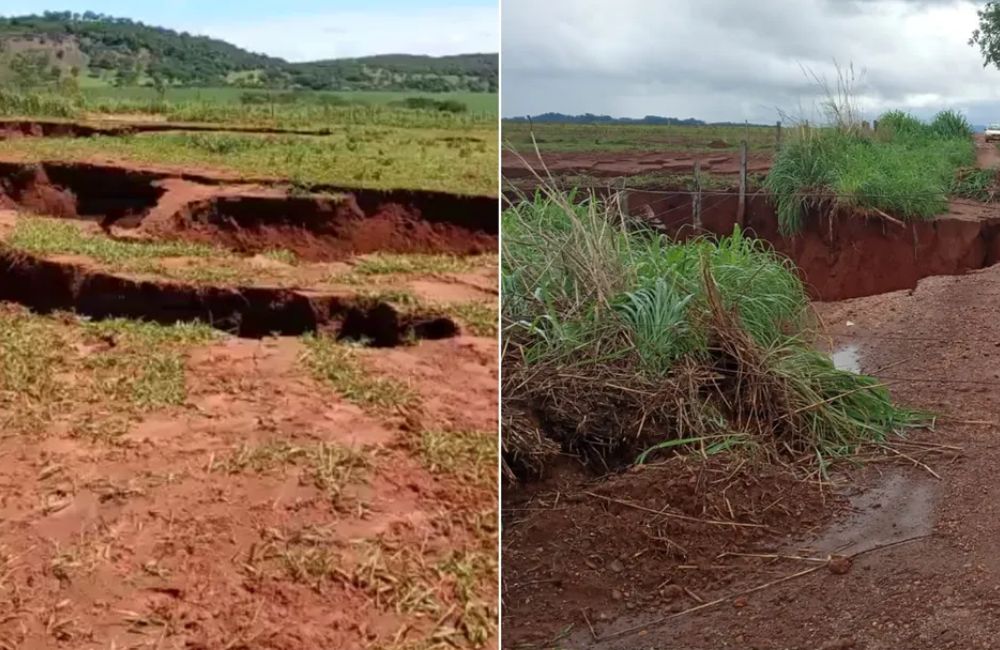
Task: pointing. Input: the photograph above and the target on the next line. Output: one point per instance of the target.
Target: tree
(987, 36)
(160, 86)
(31, 68)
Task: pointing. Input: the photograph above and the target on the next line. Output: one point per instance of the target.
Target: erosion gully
(914, 305)
(331, 224)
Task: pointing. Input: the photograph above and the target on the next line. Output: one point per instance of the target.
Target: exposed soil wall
(322, 229)
(255, 218)
(842, 256)
(48, 285)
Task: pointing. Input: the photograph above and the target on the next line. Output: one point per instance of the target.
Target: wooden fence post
(777, 136)
(696, 197)
(742, 209)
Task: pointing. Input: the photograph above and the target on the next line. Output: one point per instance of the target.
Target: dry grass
(340, 366)
(469, 456)
(329, 467)
(124, 369)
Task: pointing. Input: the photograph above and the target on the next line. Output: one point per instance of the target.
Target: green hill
(91, 49)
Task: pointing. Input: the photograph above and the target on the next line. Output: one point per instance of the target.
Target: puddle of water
(898, 507)
(847, 358)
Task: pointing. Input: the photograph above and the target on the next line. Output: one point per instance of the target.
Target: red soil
(579, 549)
(845, 256)
(151, 542)
(929, 578)
(617, 163)
(258, 218)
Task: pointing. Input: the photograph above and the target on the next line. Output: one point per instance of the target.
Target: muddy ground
(936, 347)
(163, 486)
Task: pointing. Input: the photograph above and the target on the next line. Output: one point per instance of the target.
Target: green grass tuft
(906, 169)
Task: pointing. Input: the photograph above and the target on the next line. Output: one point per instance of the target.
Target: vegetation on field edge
(620, 344)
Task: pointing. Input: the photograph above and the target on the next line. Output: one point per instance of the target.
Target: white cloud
(736, 60)
(410, 30)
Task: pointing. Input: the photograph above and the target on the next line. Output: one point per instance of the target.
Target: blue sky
(312, 29)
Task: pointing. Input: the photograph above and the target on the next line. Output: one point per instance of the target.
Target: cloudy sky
(301, 30)
(738, 60)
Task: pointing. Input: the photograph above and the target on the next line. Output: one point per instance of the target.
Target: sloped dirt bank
(844, 256)
(320, 229)
(69, 191)
(251, 218)
(48, 285)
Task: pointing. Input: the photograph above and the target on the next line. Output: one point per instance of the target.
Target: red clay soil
(315, 229)
(845, 256)
(578, 549)
(934, 587)
(618, 163)
(155, 540)
(255, 218)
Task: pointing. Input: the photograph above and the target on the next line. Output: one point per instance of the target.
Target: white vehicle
(993, 132)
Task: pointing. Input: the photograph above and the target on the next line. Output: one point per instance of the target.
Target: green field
(558, 137)
(355, 156)
(477, 103)
(291, 115)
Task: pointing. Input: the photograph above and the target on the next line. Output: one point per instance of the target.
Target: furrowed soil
(311, 464)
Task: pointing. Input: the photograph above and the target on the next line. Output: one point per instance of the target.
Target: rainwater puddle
(847, 358)
(899, 507)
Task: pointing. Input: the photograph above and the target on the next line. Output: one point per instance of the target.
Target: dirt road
(938, 347)
(987, 154)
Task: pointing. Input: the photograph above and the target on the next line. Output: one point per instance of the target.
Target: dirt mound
(586, 551)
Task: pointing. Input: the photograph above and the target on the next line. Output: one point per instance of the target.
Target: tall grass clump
(618, 343)
(905, 169)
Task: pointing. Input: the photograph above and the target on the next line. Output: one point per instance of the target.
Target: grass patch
(359, 156)
(480, 318)
(45, 236)
(388, 264)
(623, 342)
(976, 184)
(128, 368)
(282, 256)
(906, 169)
(467, 455)
(203, 105)
(330, 467)
(398, 578)
(340, 367)
(32, 356)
